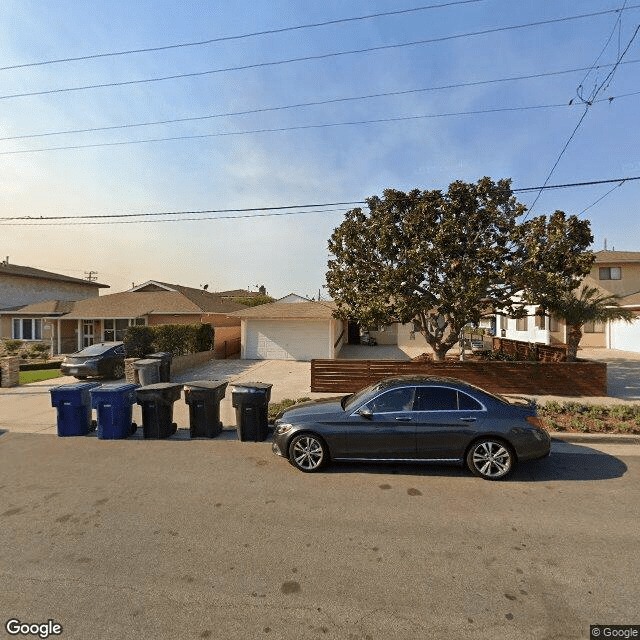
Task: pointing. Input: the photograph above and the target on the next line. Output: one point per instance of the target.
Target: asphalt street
(221, 539)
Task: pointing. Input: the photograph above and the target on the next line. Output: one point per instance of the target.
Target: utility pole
(91, 276)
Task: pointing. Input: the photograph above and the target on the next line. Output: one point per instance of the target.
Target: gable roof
(289, 310)
(134, 304)
(617, 256)
(31, 272)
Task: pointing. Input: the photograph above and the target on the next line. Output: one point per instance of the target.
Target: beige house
(293, 328)
(614, 272)
(28, 296)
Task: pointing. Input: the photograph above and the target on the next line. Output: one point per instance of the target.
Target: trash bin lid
(248, 387)
(206, 384)
(163, 355)
(138, 364)
(163, 390)
(114, 387)
(75, 387)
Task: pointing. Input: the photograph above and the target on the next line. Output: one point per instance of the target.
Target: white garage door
(625, 336)
(287, 340)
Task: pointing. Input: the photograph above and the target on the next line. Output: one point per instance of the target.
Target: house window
(522, 324)
(610, 273)
(540, 319)
(27, 329)
(504, 322)
(593, 327)
(115, 328)
(553, 324)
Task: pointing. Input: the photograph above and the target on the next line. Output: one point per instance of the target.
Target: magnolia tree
(444, 260)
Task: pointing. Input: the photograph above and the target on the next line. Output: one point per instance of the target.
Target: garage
(300, 330)
(625, 336)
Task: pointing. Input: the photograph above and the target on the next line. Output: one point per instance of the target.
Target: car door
(446, 421)
(388, 431)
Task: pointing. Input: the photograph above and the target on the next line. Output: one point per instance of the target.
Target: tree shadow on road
(623, 378)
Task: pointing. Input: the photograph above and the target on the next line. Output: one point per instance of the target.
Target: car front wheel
(308, 453)
(490, 459)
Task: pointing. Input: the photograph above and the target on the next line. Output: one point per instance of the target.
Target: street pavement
(221, 539)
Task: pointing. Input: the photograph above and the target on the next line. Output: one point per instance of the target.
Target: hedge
(177, 339)
(37, 366)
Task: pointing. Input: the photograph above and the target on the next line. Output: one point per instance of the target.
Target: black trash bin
(203, 398)
(74, 407)
(113, 404)
(157, 401)
(148, 371)
(165, 364)
(251, 401)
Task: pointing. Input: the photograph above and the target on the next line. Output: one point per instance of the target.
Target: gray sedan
(413, 419)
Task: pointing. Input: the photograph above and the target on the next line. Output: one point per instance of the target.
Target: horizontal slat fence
(583, 378)
(525, 350)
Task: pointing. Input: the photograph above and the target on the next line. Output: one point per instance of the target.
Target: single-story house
(69, 326)
(292, 328)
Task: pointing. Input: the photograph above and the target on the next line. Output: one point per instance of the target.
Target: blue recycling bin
(74, 407)
(114, 405)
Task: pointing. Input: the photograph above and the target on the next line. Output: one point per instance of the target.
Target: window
(540, 319)
(444, 399)
(593, 327)
(504, 322)
(522, 324)
(27, 329)
(467, 403)
(553, 324)
(393, 401)
(610, 273)
(114, 329)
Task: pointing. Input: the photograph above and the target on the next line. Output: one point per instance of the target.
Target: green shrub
(12, 347)
(550, 408)
(597, 411)
(622, 412)
(579, 424)
(625, 427)
(599, 425)
(138, 341)
(176, 339)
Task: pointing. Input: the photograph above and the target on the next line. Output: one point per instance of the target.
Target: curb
(597, 438)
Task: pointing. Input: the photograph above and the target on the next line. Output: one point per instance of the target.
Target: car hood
(313, 410)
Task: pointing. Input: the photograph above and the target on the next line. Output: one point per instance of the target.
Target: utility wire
(242, 36)
(602, 197)
(249, 212)
(322, 56)
(324, 125)
(587, 105)
(306, 104)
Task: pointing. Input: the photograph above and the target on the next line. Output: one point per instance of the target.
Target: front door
(87, 333)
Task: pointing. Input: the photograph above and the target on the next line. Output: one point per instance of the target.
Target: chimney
(605, 244)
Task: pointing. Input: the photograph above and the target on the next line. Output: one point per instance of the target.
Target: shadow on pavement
(215, 370)
(623, 378)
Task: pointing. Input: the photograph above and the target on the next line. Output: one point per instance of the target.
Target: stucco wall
(628, 284)
(18, 291)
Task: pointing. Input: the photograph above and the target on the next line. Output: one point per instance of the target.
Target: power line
(242, 36)
(324, 125)
(307, 104)
(249, 212)
(322, 56)
(602, 197)
(587, 105)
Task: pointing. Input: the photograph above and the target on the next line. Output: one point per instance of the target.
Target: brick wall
(9, 372)
(582, 378)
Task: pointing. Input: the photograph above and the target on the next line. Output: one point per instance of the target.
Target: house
(28, 296)
(107, 318)
(614, 272)
(292, 328)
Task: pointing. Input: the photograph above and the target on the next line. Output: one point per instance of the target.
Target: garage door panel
(625, 336)
(288, 340)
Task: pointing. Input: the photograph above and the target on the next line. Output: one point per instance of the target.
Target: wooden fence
(582, 378)
(531, 350)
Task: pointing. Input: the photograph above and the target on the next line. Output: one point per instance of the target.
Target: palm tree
(589, 304)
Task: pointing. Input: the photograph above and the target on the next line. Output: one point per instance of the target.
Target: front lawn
(574, 417)
(26, 377)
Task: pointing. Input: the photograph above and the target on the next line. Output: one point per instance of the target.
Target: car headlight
(91, 361)
(283, 427)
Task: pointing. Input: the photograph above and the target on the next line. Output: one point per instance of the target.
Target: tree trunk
(573, 341)
(439, 354)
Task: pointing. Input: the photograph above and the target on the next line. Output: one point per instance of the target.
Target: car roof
(101, 347)
(418, 379)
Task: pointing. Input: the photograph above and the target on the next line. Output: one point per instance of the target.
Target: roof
(617, 256)
(292, 310)
(31, 272)
(632, 300)
(134, 304)
(46, 308)
(239, 293)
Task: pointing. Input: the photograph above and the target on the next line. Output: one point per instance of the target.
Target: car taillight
(535, 421)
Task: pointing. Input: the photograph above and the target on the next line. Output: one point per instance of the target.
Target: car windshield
(360, 397)
(95, 350)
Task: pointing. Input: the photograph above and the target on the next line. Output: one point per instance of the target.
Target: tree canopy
(447, 259)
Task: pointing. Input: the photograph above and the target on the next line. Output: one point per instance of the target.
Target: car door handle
(468, 419)
(401, 419)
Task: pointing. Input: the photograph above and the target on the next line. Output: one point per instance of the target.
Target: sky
(423, 137)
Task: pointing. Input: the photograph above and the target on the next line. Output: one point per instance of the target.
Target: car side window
(467, 403)
(436, 399)
(393, 401)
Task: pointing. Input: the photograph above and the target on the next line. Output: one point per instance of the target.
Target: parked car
(104, 360)
(413, 419)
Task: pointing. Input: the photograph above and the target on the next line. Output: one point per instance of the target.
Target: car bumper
(534, 449)
(278, 448)
(78, 370)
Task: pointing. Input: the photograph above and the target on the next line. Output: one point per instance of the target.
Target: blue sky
(303, 166)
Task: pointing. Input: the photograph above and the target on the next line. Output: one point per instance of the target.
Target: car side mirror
(365, 412)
